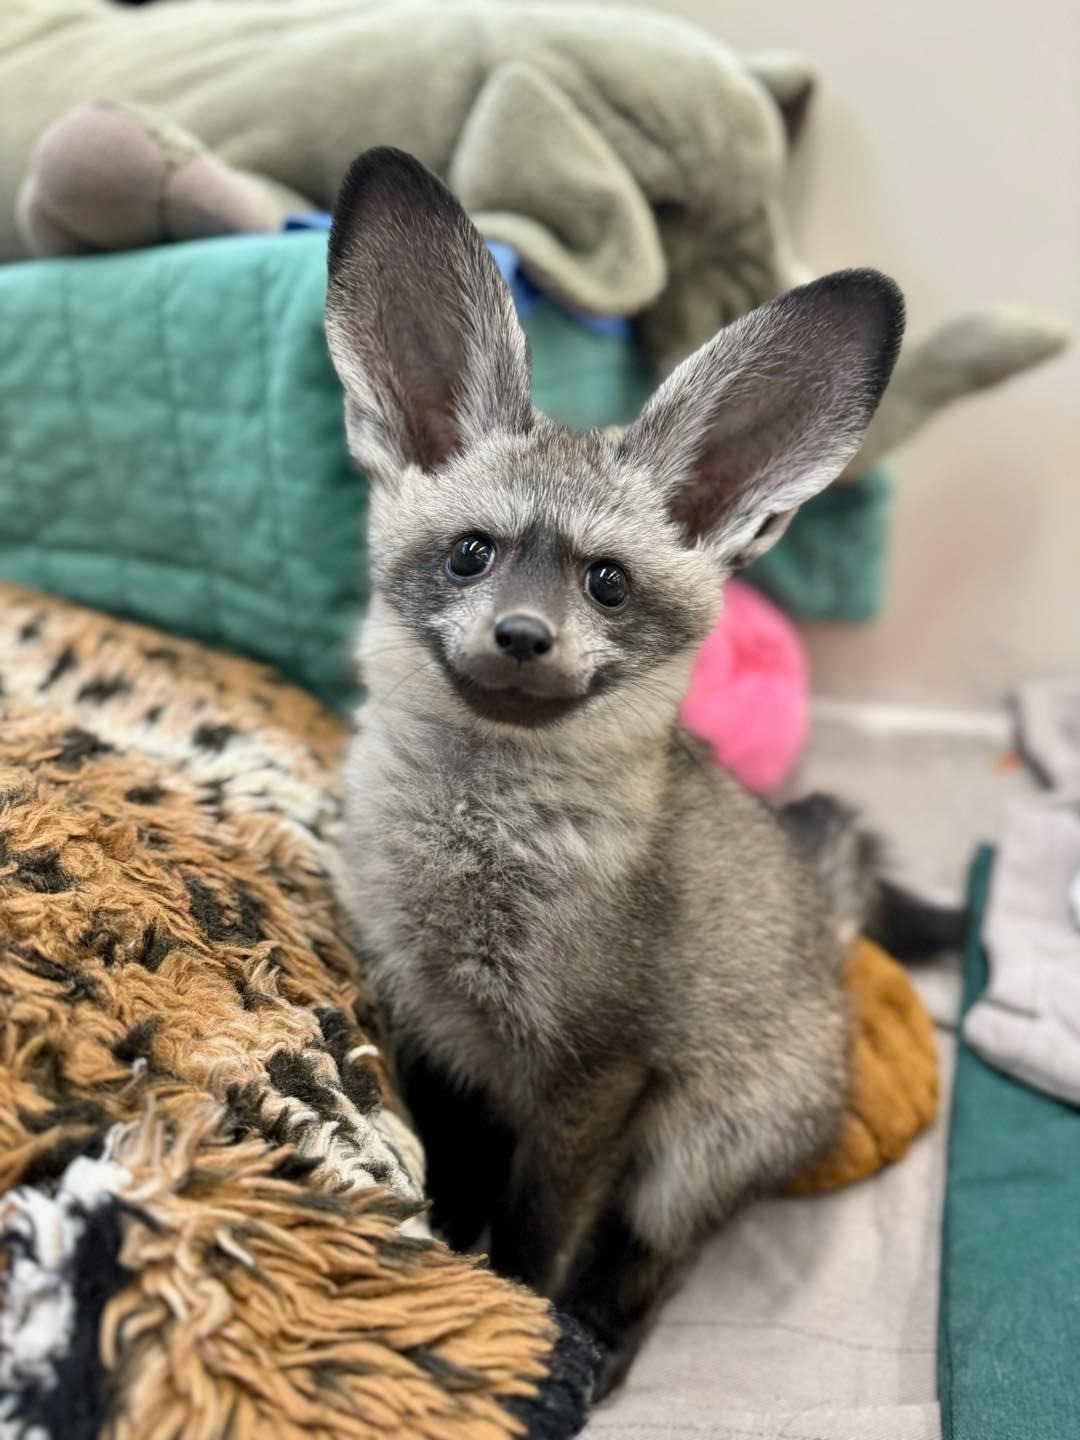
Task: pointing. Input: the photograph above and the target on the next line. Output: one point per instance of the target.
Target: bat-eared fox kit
(613, 975)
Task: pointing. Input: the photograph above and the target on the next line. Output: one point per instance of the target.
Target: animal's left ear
(770, 411)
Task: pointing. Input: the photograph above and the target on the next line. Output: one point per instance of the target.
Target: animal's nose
(523, 637)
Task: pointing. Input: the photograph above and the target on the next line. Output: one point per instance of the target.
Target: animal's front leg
(467, 1149)
(560, 1180)
(530, 1226)
(616, 1288)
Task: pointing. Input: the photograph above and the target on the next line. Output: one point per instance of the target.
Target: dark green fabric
(829, 565)
(1010, 1282)
(171, 449)
(581, 378)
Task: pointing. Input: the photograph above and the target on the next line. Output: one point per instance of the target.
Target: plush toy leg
(893, 1073)
(111, 177)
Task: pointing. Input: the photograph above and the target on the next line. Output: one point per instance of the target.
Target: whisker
(382, 700)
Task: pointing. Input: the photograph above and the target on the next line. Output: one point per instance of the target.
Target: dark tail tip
(911, 928)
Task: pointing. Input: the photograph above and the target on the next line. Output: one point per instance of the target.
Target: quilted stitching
(174, 449)
(174, 433)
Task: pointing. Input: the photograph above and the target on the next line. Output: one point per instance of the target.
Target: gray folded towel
(1048, 720)
(1028, 1021)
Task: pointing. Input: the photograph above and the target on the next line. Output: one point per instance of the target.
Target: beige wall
(944, 147)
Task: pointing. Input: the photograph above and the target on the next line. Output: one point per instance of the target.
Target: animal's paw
(615, 1362)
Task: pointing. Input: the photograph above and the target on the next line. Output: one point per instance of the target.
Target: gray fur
(566, 910)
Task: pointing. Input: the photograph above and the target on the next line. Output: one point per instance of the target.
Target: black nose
(523, 637)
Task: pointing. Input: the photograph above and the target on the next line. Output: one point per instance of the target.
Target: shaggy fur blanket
(206, 1181)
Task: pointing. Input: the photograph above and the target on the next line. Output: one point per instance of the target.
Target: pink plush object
(749, 693)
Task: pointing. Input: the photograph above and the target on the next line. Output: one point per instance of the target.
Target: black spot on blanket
(69, 1397)
(143, 794)
(138, 1043)
(101, 940)
(77, 747)
(38, 870)
(75, 1111)
(214, 737)
(245, 1103)
(50, 1163)
(98, 691)
(294, 1075)
(80, 986)
(237, 924)
(65, 661)
(154, 946)
(449, 1376)
(358, 1080)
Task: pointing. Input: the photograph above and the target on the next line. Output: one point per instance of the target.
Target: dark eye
(606, 584)
(472, 556)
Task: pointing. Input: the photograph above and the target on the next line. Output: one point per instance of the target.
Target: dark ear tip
(877, 300)
(871, 290)
(383, 173)
(881, 287)
(382, 164)
(863, 286)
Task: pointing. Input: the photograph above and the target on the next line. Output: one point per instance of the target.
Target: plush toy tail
(848, 859)
(969, 353)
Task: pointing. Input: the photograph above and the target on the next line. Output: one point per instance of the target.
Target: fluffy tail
(910, 927)
(848, 860)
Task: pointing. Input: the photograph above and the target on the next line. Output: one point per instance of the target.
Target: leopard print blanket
(207, 1189)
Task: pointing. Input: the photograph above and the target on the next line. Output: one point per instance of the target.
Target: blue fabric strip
(526, 295)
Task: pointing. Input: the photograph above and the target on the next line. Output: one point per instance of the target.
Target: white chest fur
(480, 876)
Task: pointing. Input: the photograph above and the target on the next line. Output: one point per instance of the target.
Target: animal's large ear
(421, 328)
(770, 411)
(534, 171)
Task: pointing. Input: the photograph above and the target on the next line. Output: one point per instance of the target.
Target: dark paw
(614, 1367)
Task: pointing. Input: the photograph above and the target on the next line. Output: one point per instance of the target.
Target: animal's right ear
(421, 328)
(770, 411)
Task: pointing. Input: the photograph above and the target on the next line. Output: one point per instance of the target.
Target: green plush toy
(634, 162)
(621, 152)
